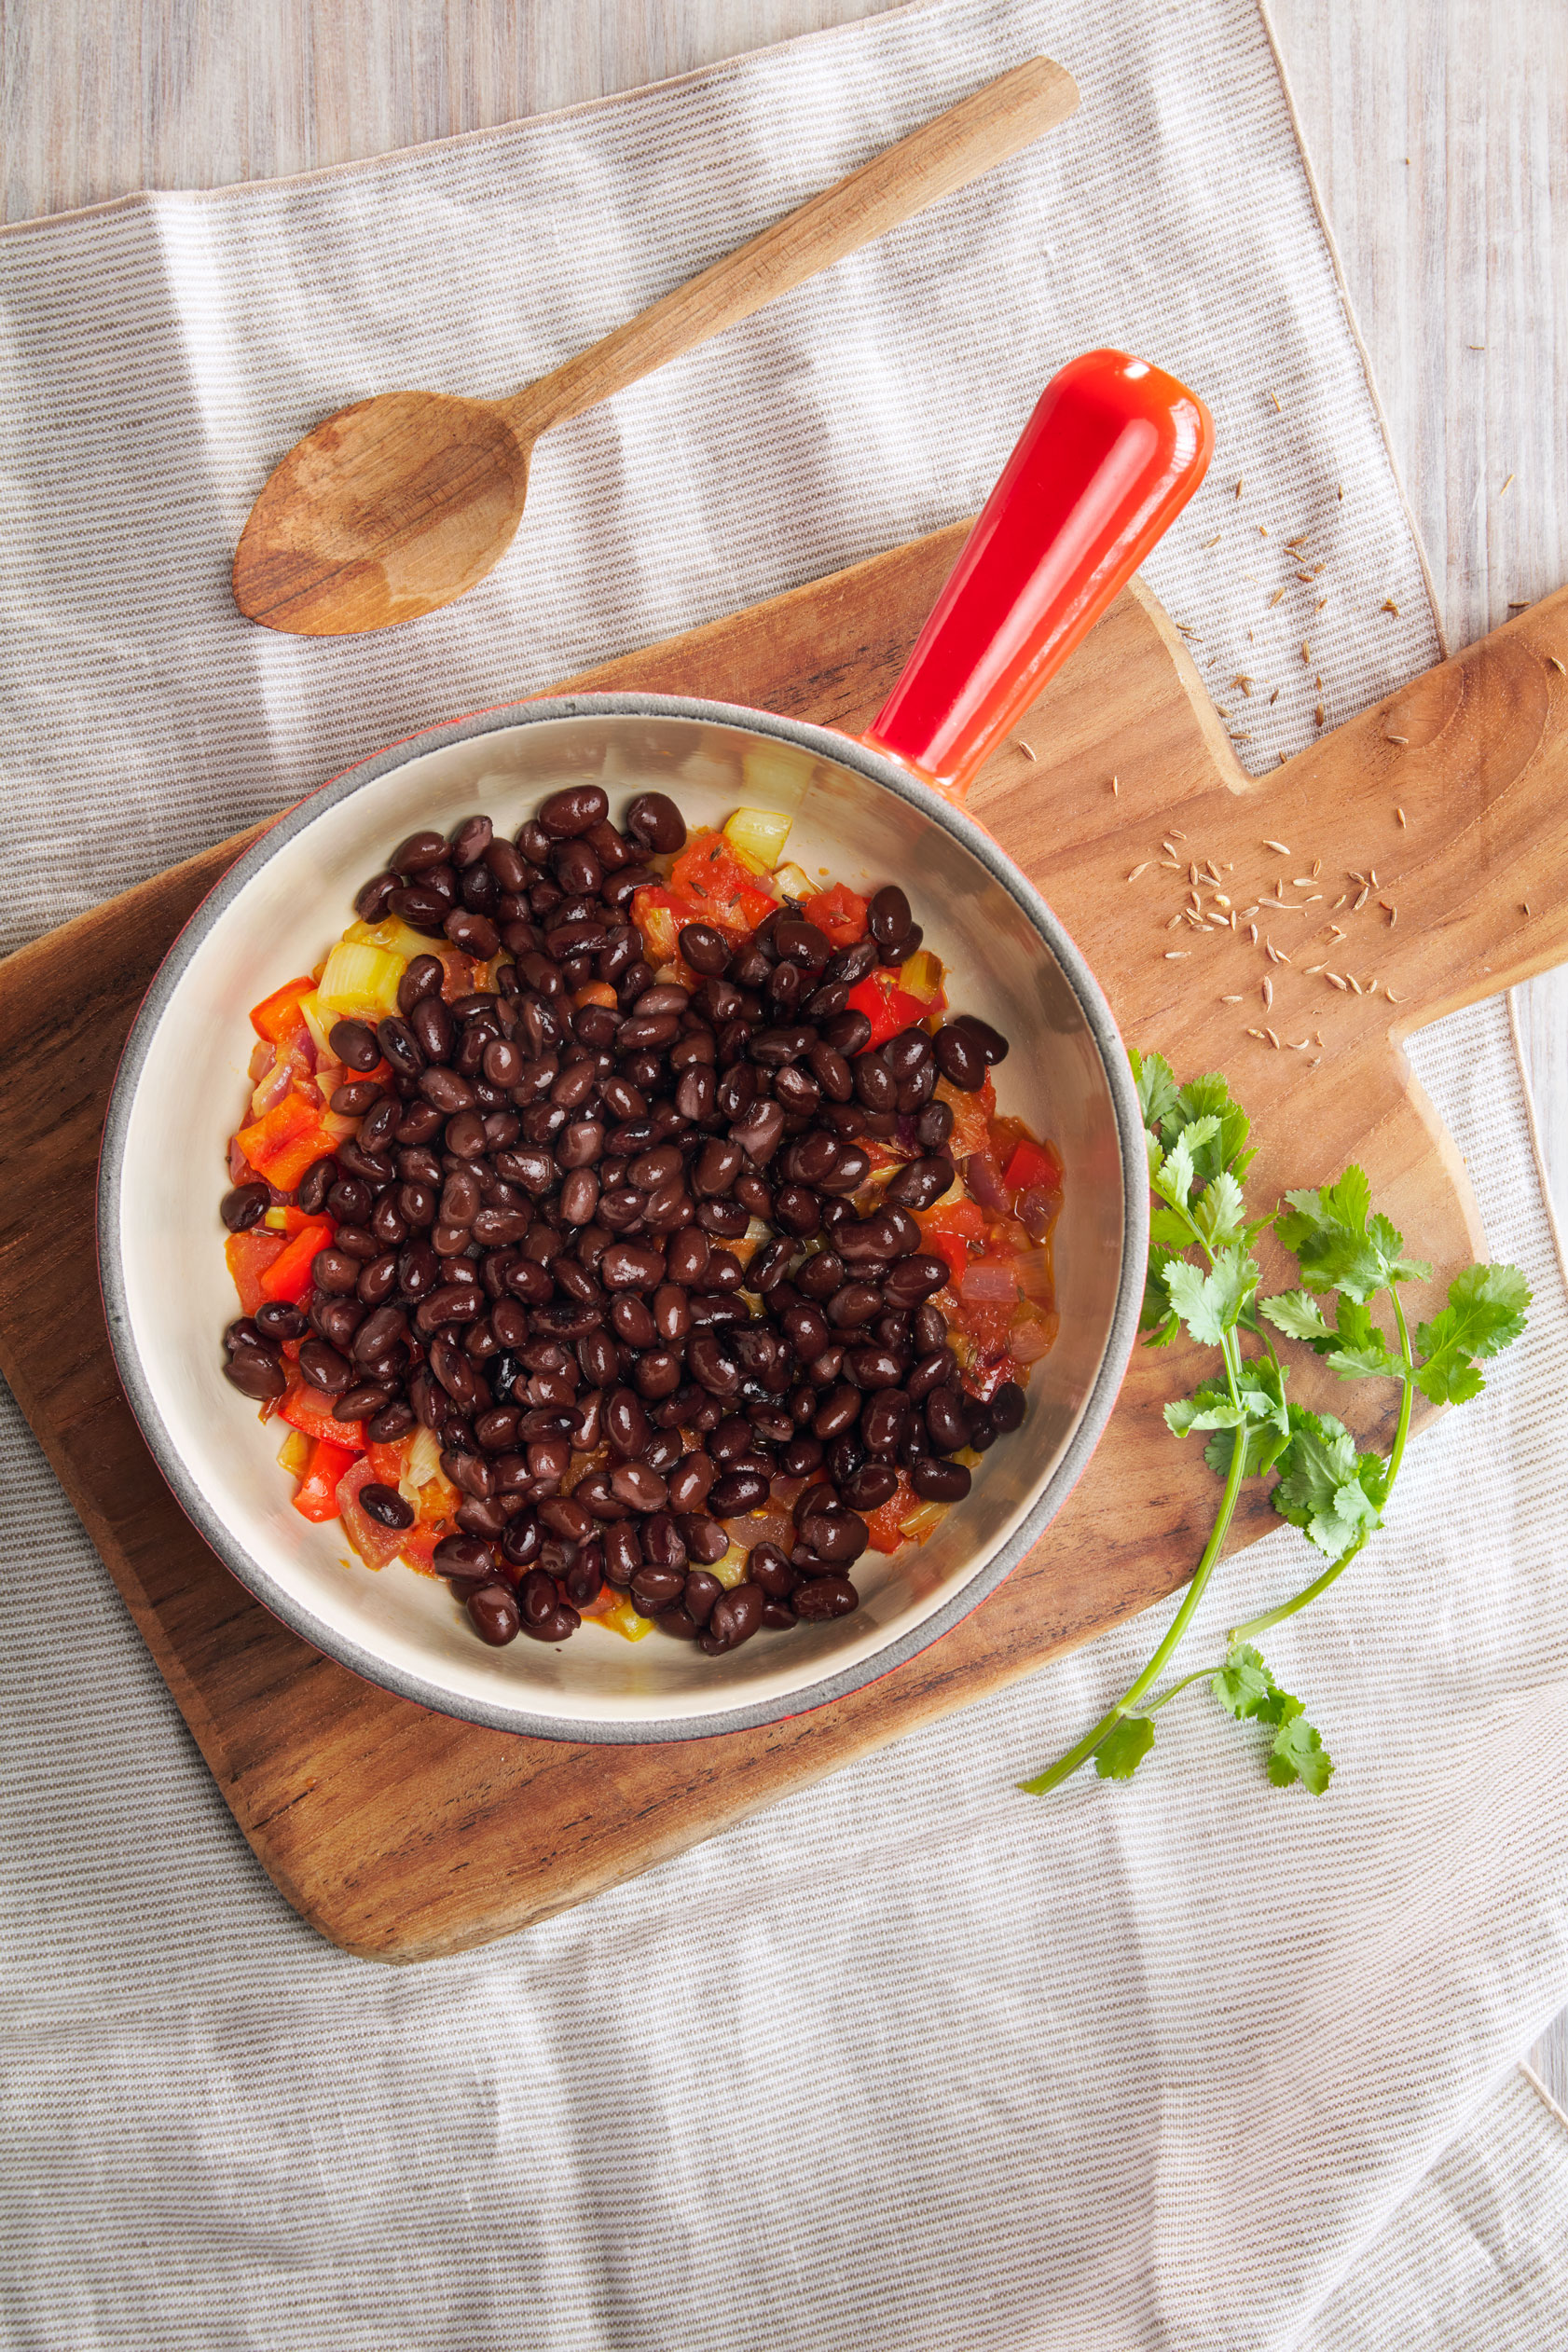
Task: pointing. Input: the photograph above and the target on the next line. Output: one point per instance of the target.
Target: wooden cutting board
(403, 1834)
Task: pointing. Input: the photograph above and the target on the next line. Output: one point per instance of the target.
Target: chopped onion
(272, 1088)
(1027, 1342)
(988, 1282)
(1037, 1211)
(984, 1181)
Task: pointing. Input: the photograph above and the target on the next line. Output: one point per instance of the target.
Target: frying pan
(1113, 452)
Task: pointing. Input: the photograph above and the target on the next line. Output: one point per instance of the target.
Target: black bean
(734, 1617)
(889, 915)
(960, 1058)
(655, 820)
(255, 1374)
(322, 1367)
(947, 1420)
(938, 1481)
(386, 1504)
(245, 1206)
(1007, 1407)
(824, 1597)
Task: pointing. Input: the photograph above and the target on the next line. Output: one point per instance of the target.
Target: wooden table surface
(1438, 130)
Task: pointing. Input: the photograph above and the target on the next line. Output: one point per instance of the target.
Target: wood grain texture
(398, 505)
(403, 1835)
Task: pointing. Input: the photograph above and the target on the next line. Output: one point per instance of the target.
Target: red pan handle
(1113, 452)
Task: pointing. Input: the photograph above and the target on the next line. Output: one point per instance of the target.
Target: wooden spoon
(397, 505)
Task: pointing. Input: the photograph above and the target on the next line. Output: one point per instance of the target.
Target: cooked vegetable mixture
(624, 1228)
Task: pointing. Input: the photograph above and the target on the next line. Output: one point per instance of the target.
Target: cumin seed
(1137, 870)
(1267, 992)
(1399, 812)
(1334, 980)
(1177, 954)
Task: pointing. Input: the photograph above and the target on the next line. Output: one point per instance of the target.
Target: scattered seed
(1220, 899)
(1247, 914)
(1220, 922)
(1231, 1000)
(1558, 666)
(1399, 812)
(1275, 597)
(1306, 652)
(1283, 847)
(1340, 492)
(1274, 397)
(1393, 913)
(1256, 1033)
(1334, 930)
(1319, 605)
(1520, 604)
(1025, 750)
(1262, 531)
(1334, 980)
(1174, 923)
(1396, 739)
(1213, 542)
(1525, 908)
(1240, 738)
(1388, 605)
(1338, 903)
(1504, 491)
(1177, 954)
(1267, 992)
(1317, 716)
(1304, 1046)
(1306, 576)
(1356, 984)
(1174, 864)
(1361, 898)
(1176, 836)
(1243, 682)
(1252, 933)
(1137, 870)
(1302, 881)
(1316, 900)
(1372, 876)
(1115, 784)
(1273, 1040)
(1314, 968)
(1238, 487)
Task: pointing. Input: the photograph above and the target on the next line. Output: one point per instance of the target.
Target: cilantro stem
(1127, 1703)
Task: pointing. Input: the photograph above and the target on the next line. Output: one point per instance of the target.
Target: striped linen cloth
(907, 2061)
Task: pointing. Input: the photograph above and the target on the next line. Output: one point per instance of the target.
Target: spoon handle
(984, 129)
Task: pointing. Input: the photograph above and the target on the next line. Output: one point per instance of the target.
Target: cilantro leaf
(1243, 1684)
(1338, 1246)
(1220, 1216)
(1326, 1488)
(1298, 1754)
(1123, 1748)
(1175, 1177)
(1190, 1412)
(1211, 1304)
(1156, 1083)
(1485, 1312)
(1297, 1315)
(1169, 1231)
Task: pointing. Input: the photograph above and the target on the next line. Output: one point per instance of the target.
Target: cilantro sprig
(1203, 1278)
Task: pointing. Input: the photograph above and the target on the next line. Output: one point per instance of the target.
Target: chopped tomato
(289, 1277)
(884, 1525)
(316, 1497)
(249, 1256)
(375, 1543)
(417, 1546)
(839, 913)
(305, 1408)
(386, 1464)
(711, 879)
(972, 1115)
(278, 1017)
(886, 1006)
(660, 917)
(597, 992)
(949, 1231)
(1032, 1163)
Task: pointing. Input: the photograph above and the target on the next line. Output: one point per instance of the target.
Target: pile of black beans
(530, 1261)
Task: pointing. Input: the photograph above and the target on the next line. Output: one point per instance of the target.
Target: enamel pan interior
(182, 1084)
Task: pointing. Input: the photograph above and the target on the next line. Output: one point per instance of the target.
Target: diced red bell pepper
(278, 1017)
(838, 913)
(288, 1277)
(711, 879)
(386, 1464)
(249, 1256)
(889, 1008)
(948, 1231)
(305, 1408)
(287, 1140)
(418, 1547)
(1032, 1163)
(316, 1496)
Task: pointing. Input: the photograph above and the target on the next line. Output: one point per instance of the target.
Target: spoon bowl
(388, 510)
(395, 506)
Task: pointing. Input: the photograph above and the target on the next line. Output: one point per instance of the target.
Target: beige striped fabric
(908, 2061)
